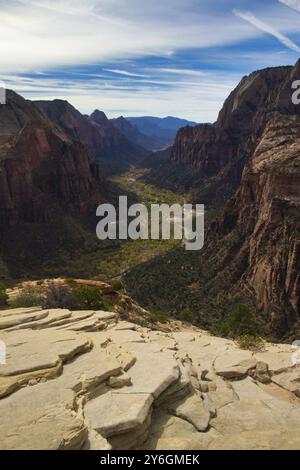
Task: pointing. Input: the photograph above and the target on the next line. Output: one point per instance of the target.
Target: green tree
(117, 284)
(240, 321)
(30, 296)
(88, 297)
(187, 316)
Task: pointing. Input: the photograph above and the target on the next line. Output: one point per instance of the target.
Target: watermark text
(162, 222)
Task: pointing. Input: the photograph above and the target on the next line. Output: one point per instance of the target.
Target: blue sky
(143, 57)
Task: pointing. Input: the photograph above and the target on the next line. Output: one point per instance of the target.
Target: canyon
(55, 165)
(246, 165)
(104, 142)
(149, 372)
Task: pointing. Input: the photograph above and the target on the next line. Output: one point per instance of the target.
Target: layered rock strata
(88, 380)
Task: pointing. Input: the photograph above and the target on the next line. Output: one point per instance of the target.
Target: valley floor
(91, 380)
(48, 251)
(124, 256)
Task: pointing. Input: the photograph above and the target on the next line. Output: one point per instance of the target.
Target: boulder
(121, 381)
(234, 364)
(277, 361)
(193, 410)
(289, 381)
(117, 412)
(40, 355)
(148, 378)
(261, 373)
(88, 371)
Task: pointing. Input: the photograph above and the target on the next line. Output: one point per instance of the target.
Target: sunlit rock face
(250, 157)
(92, 380)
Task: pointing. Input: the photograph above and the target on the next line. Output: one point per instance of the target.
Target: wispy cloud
(189, 72)
(198, 100)
(124, 72)
(74, 8)
(102, 31)
(159, 57)
(294, 4)
(266, 28)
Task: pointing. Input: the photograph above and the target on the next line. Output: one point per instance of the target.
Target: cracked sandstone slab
(92, 415)
(41, 417)
(115, 413)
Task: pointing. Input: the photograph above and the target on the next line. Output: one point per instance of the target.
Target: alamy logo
(2, 353)
(134, 222)
(2, 93)
(296, 94)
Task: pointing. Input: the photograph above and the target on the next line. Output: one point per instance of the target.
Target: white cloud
(189, 72)
(74, 7)
(199, 100)
(51, 33)
(294, 4)
(124, 72)
(44, 35)
(266, 28)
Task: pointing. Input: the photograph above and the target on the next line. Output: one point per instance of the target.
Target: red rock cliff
(255, 147)
(41, 168)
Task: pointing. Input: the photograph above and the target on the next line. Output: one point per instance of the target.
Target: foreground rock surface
(88, 380)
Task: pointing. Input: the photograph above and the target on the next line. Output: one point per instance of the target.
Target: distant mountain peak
(99, 117)
(163, 129)
(133, 134)
(105, 144)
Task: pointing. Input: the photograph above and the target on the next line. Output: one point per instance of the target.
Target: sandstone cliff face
(41, 168)
(219, 152)
(200, 147)
(266, 209)
(102, 140)
(254, 148)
